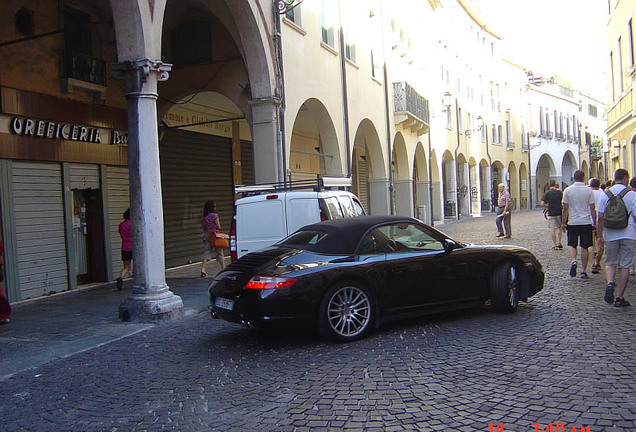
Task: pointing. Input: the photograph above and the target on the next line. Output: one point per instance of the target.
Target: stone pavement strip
(565, 357)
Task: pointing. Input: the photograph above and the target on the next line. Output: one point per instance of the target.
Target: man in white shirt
(578, 217)
(620, 243)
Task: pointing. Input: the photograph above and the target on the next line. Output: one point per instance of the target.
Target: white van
(270, 212)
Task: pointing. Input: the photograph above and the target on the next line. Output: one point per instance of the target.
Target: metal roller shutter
(117, 186)
(195, 168)
(39, 226)
(363, 185)
(84, 176)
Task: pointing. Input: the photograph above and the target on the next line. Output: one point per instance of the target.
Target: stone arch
(524, 199)
(369, 169)
(544, 172)
(314, 148)
(568, 166)
(437, 192)
(586, 169)
(512, 178)
(402, 171)
(449, 185)
(497, 176)
(421, 185)
(485, 186)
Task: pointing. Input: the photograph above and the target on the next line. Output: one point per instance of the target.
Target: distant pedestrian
(620, 243)
(503, 213)
(551, 200)
(595, 185)
(210, 224)
(5, 306)
(126, 248)
(579, 217)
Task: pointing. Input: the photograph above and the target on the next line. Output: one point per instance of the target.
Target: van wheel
(346, 312)
(504, 288)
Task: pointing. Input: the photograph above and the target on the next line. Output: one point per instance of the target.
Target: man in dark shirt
(552, 201)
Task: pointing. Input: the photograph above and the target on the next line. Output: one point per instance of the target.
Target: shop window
(191, 43)
(24, 22)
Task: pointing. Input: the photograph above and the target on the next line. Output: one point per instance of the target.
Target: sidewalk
(67, 323)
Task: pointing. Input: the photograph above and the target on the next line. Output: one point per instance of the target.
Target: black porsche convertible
(345, 276)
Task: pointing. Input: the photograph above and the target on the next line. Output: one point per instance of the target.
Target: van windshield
(303, 238)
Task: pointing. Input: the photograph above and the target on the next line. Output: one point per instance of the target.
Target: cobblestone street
(564, 357)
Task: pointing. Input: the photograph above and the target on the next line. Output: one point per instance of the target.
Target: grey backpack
(616, 215)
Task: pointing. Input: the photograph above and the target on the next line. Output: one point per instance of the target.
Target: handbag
(219, 242)
(216, 241)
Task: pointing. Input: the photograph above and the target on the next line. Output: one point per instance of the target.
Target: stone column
(379, 196)
(404, 197)
(151, 298)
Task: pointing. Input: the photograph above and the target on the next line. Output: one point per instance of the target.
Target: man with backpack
(579, 217)
(616, 231)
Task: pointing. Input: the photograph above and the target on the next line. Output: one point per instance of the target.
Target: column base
(151, 307)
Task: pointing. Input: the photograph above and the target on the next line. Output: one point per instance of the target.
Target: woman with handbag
(214, 241)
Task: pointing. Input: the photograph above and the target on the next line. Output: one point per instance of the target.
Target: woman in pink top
(126, 248)
(210, 224)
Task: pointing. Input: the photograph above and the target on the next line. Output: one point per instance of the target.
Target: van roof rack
(318, 184)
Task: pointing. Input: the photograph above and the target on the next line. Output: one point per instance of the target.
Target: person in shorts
(579, 217)
(551, 200)
(620, 243)
(595, 185)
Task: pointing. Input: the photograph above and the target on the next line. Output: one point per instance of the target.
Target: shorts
(209, 251)
(126, 255)
(580, 235)
(554, 222)
(621, 253)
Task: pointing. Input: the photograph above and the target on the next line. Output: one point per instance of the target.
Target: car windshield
(303, 238)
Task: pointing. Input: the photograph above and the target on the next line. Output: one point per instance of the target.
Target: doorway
(88, 236)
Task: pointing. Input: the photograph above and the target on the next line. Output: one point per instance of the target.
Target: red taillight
(322, 217)
(271, 197)
(233, 254)
(267, 282)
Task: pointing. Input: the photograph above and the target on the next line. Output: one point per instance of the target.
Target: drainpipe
(430, 178)
(457, 206)
(388, 136)
(530, 205)
(280, 134)
(345, 96)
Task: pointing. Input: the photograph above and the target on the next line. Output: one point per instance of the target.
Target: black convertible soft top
(343, 235)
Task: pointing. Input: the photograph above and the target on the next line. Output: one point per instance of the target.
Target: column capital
(136, 73)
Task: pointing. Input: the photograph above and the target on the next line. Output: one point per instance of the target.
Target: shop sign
(54, 130)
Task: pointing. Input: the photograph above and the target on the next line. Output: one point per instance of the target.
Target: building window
(350, 48)
(24, 22)
(508, 133)
(592, 110)
(630, 35)
(82, 49)
(460, 122)
(294, 15)
(449, 117)
(620, 67)
(499, 134)
(611, 60)
(326, 25)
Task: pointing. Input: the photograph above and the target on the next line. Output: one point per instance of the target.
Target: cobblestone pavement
(565, 357)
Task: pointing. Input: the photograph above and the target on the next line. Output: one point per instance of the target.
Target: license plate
(222, 303)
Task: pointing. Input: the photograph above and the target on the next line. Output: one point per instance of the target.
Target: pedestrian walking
(5, 306)
(126, 248)
(578, 217)
(551, 200)
(503, 213)
(618, 236)
(595, 185)
(211, 225)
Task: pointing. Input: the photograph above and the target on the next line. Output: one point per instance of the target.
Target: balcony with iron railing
(410, 108)
(84, 72)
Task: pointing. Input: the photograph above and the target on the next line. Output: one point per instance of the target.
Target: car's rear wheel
(504, 288)
(346, 312)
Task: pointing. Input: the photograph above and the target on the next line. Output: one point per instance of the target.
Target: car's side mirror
(449, 245)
